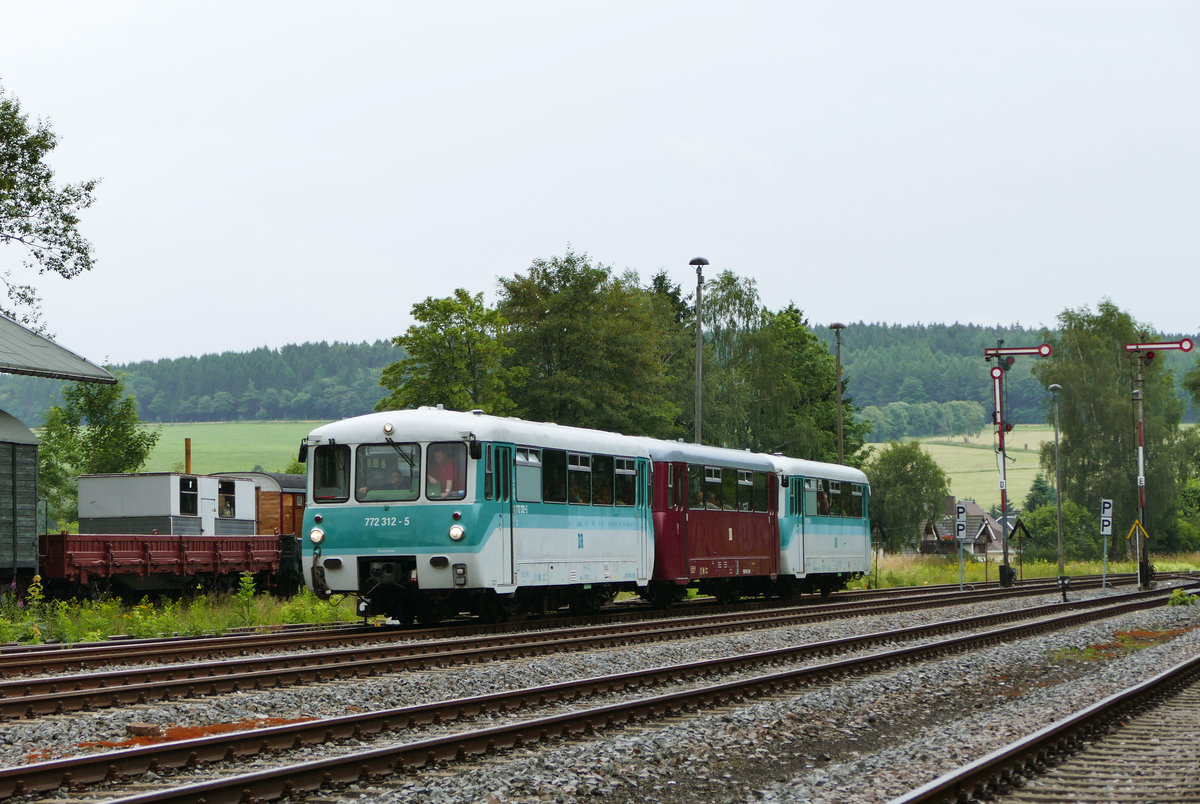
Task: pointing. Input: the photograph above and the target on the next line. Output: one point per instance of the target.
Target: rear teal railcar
(824, 525)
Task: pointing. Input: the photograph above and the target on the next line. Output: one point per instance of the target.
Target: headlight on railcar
(316, 535)
(457, 532)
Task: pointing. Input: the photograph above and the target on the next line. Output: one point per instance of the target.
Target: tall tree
(1098, 442)
(455, 357)
(96, 430)
(35, 214)
(591, 345)
(907, 489)
(792, 391)
(732, 315)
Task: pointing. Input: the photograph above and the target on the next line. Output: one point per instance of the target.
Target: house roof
(23, 351)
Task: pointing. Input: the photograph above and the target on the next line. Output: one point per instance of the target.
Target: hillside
(883, 364)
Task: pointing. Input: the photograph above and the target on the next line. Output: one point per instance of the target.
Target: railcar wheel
(492, 609)
(662, 595)
(728, 593)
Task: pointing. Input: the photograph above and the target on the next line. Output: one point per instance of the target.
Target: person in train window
(444, 481)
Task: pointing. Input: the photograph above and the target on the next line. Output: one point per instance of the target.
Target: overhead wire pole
(1144, 353)
(837, 330)
(699, 262)
(1004, 358)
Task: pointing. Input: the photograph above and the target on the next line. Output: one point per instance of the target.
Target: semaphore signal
(1144, 353)
(1005, 357)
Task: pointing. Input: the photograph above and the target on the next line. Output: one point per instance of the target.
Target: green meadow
(973, 464)
(229, 446)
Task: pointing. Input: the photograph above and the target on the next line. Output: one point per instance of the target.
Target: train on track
(425, 513)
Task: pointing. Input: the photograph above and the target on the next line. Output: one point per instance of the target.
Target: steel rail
(993, 774)
(15, 660)
(31, 697)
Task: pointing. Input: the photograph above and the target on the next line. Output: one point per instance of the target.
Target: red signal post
(1005, 357)
(1144, 352)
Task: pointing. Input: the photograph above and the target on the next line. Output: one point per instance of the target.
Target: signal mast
(1144, 354)
(1005, 357)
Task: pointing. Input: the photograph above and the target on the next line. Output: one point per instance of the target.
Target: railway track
(22, 661)
(28, 697)
(1137, 745)
(449, 744)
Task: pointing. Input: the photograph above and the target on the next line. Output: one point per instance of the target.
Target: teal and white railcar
(424, 513)
(824, 529)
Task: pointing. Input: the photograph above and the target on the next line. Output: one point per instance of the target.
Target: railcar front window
(331, 473)
(446, 478)
(387, 472)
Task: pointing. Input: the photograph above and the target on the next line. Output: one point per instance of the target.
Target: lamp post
(699, 262)
(1063, 581)
(837, 332)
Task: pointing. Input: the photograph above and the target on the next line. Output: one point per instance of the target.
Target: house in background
(937, 535)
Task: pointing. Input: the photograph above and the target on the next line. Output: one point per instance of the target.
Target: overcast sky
(281, 172)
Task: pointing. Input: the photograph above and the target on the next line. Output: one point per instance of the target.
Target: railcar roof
(714, 456)
(832, 471)
(435, 424)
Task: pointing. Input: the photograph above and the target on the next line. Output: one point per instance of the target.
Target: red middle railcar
(715, 522)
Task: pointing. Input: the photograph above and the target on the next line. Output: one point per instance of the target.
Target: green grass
(229, 446)
(910, 570)
(973, 465)
(32, 618)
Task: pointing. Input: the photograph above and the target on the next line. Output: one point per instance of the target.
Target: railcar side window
(762, 482)
(579, 478)
(695, 480)
(331, 473)
(554, 475)
(836, 506)
(626, 469)
(387, 472)
(446, 476)
(529, 474)
(824, 504)
(712, 488)
(602, 480)
(810, 497)
(745, 490)
(856, 501)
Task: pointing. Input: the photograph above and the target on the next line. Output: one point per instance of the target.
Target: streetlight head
(698, 261)
(1055, 388)
(836, 326)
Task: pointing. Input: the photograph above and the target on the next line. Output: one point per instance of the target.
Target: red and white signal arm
(1184, 345)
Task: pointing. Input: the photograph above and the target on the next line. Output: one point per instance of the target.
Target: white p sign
(1106, 517)
(960, 522)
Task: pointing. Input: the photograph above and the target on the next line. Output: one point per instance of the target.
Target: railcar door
(502, 484)
(645, 485)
